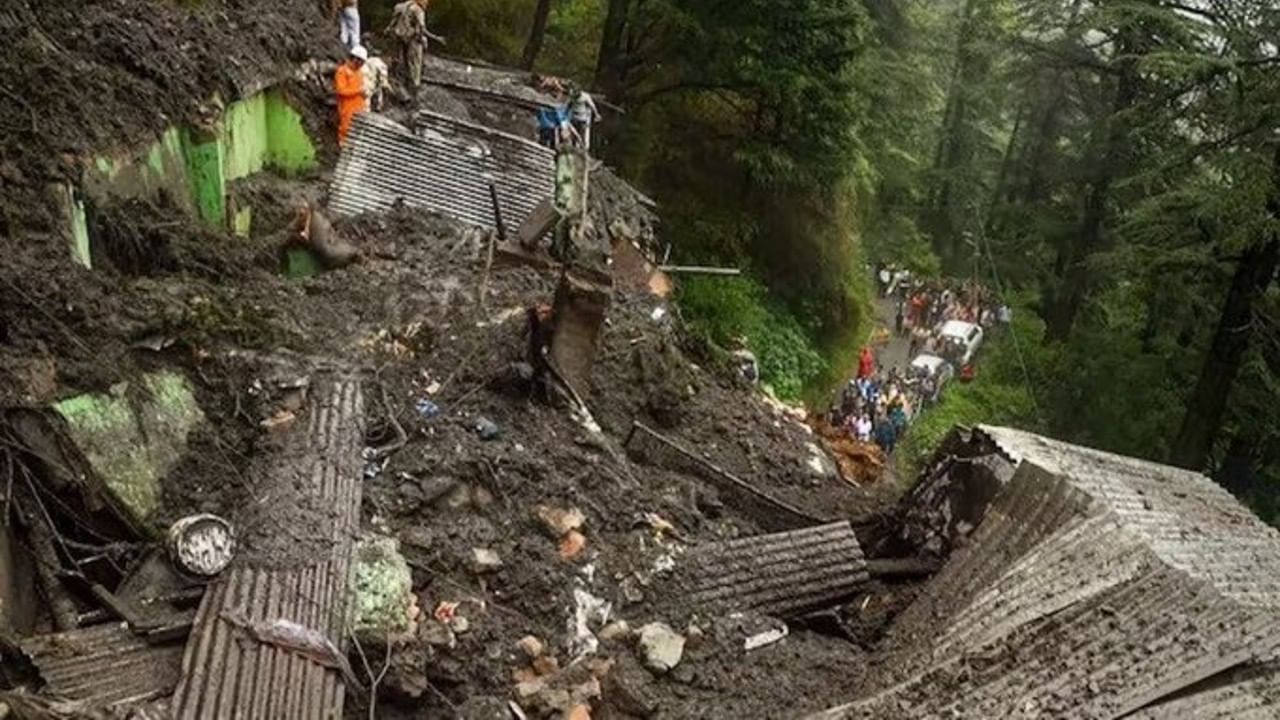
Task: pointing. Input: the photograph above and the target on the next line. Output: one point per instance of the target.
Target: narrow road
(897, 353)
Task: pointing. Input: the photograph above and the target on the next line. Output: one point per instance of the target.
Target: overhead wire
(983, 247)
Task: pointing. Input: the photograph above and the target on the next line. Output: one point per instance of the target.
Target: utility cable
(985, 243)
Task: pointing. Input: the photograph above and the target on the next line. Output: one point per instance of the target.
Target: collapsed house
(386, 504)
(1081, 584)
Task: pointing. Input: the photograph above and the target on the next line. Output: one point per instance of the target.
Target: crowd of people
(362, 82)
(879, 403)
(568, 122)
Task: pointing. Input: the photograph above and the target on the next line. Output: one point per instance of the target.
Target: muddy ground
(424, 319)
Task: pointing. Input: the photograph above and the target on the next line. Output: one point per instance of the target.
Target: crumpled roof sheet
(228, 674)
(1095, 586)
(784, 574)
(1191, 522)
(446, 167)
(104, 665)
(1250, 693)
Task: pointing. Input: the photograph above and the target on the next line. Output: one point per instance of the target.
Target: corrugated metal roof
(1250, 693)
(1094, 586)
(445, 167)
(105, 665)
(784, 574)
(224, 672)
(1190, 521)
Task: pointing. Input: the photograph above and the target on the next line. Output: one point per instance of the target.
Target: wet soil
(438, 337)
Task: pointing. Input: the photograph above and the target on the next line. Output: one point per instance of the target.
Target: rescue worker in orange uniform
(348, 84)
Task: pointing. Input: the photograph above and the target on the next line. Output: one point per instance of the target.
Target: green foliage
(726, 311)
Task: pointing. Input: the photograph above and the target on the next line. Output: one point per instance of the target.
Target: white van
(967, 337)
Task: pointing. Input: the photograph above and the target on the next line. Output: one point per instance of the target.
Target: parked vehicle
(933, 366)
(961, 340)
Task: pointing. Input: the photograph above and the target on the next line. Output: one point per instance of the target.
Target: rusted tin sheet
(446, 166)
(784, 574)
(297, 554)
(105, 666)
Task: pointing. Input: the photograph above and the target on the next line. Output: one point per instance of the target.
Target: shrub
(721, 310)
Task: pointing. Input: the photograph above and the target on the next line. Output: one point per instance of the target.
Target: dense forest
(1111, 167)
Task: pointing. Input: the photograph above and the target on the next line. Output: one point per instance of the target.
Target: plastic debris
(426, 409)
(768, 637)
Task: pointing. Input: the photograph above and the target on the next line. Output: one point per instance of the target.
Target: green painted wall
(206, 176)
(291, 150)
(131, 446)
(193, 167)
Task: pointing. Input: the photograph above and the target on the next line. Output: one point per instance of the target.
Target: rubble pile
(246, 486)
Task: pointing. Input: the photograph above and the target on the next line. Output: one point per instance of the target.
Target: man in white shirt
(582, 113)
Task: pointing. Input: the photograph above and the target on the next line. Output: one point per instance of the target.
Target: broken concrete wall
(132, 437)
(192, 167)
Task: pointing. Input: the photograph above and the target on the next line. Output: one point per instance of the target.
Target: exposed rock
(615, 632)
(485, 561)
(382, 590)
(561, 522)
(628, 688)
(531, 646)
(660, 647)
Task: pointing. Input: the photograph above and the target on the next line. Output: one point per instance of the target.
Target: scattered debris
(572, 545)
(561, 522)
(485, 561)
(660, 647)
(768, 637)
(486, 429)
(382, 592)
(202, 545)
(532, 647)
(295, 638)
(769, 511)
(427, 409)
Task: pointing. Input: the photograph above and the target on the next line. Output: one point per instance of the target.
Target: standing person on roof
(548, 125)
(349, 24)
(409, 27)
(377, 82)
(583, 113)
(348, 85)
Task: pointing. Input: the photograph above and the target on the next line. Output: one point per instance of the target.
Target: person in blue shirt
(548, 125)
(886, 437)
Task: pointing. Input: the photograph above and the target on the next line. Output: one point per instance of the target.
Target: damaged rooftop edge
(1093, 586)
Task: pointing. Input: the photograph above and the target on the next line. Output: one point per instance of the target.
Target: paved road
(897, 352)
